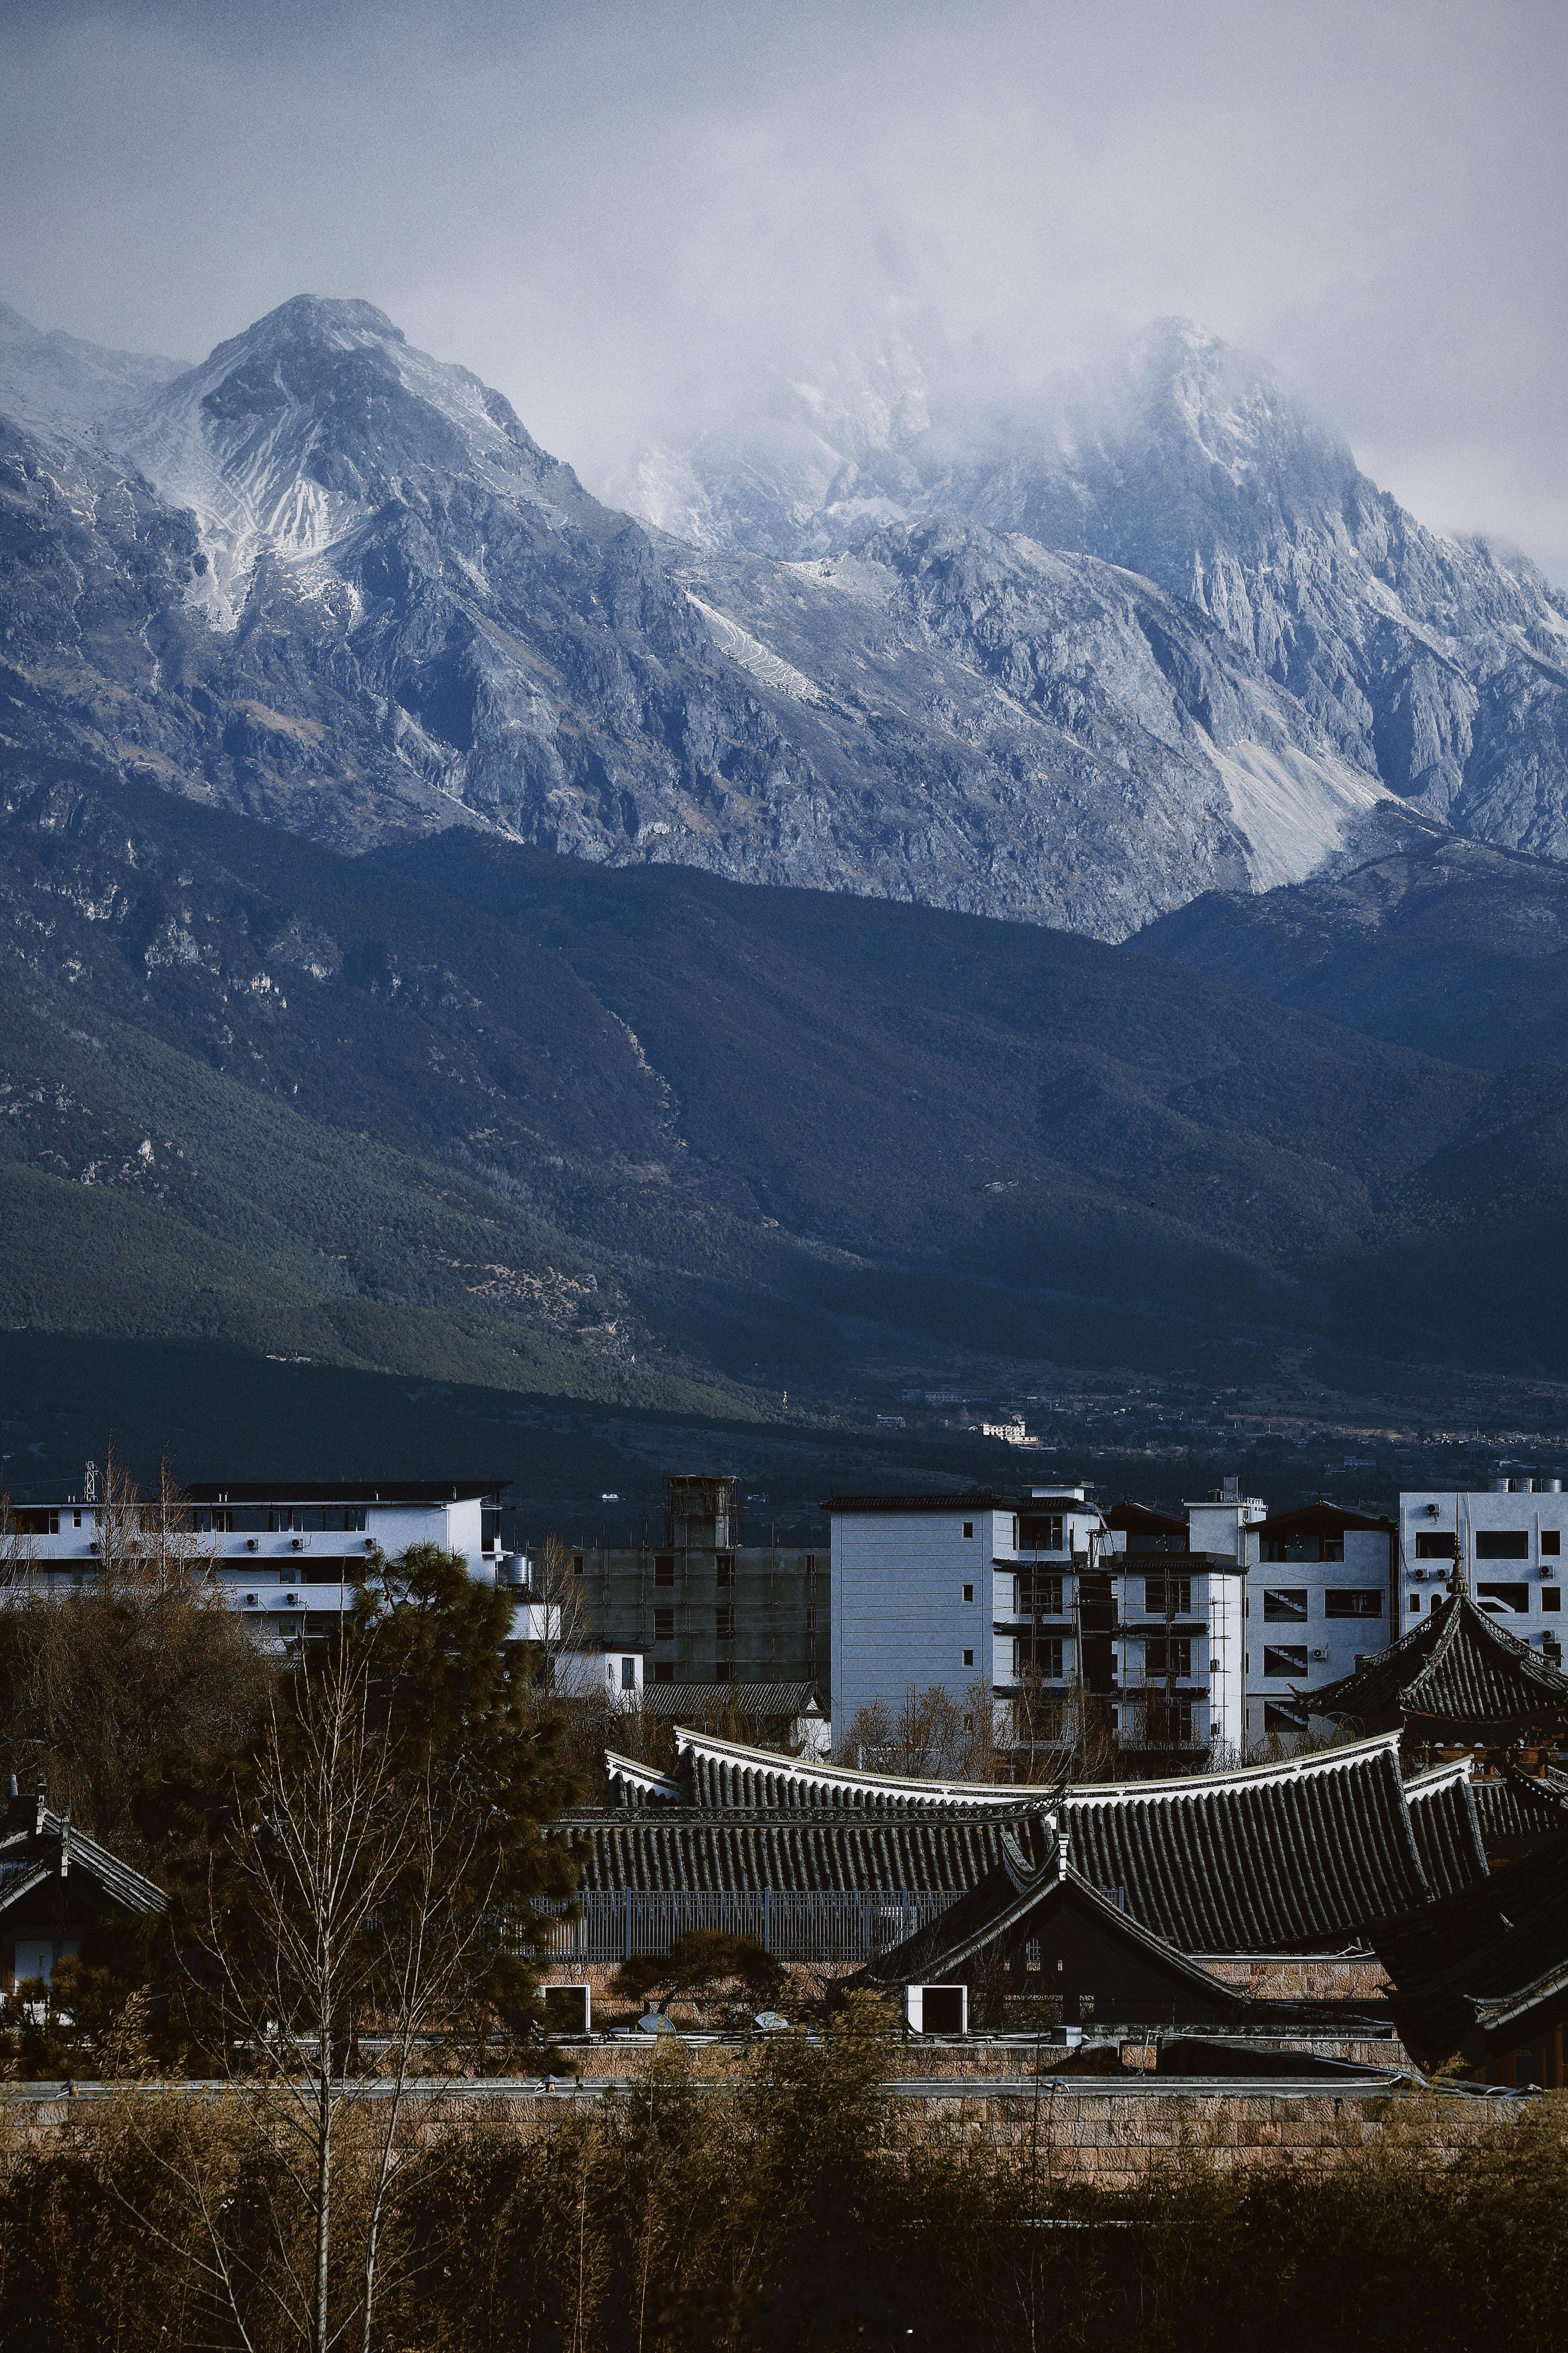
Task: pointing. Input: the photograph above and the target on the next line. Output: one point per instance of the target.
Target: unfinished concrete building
(705, 1608)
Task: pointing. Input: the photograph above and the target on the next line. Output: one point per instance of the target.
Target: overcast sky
(618, 213)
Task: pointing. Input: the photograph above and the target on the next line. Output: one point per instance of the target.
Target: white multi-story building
(285, 1550)
(1512, 1540)
(1323, 1596)
(1047, 1593)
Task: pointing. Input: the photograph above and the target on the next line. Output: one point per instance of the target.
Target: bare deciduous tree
(331, 1951)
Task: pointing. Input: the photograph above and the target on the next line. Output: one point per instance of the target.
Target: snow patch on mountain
(1293, 810)
(768, 669)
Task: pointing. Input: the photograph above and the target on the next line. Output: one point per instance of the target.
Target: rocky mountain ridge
(1438, 666)
(330, 581)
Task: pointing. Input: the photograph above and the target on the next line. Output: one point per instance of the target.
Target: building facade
(285, 1551)
(1324, 1595)
(702, 1605)
(1043, 1599)
(1511, 1542)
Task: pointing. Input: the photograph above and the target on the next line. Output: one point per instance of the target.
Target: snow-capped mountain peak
(289, 436)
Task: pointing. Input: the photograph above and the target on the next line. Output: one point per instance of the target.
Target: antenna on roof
(89, 1484)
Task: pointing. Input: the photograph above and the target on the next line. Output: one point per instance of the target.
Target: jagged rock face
(1435, 665)
(359, 599)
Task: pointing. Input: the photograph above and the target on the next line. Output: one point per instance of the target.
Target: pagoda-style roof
(1457, 1674)
(1445, 1814)
(1054, 1905)
(1486, 1970)
(1292, 1856)
(1519, 1811)
(41, 1851)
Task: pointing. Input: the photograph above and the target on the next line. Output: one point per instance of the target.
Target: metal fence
(810, 1927)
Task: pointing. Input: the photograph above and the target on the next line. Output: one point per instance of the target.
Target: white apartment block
(1512, 1540)
(1323, 1595)
(1047, 1592)
(285, 1550)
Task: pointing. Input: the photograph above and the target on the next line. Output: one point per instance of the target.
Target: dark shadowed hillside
(512, 1118)
(1428, 941)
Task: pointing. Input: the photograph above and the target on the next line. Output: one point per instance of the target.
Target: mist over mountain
(55, 380)
(330, 581)
(1439, 667)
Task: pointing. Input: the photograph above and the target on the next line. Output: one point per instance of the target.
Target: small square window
(664, 1670)
(969, 1658)
(1552, 1596)
(969, 1592)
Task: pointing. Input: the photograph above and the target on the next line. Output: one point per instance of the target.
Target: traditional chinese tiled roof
(1268, 1858)
(1016, 1895)
(36, 1843)
(1487, 1969)
(829, 1850)
(1457, 1671)
(1444, 1818)
(1517, 1811)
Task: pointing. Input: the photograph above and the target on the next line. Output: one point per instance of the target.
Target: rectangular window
(969, 1658)
(1168, 1596)
(969, 1592)
(1287, 1659)
(1039, 1593)
(664, 1568)
(724, 1622)
(1552, 1596)
(1352, 1601)
(1038, 1654)
(724, 1567)
(628, 1674)
(968, 1528)
(1502, 1544)
(1434, 1543)
(578, 1564)
(1168, 1654)
(1504, 1597)
(1040, 1531)
(1552, 1650)
(1283, 1720)
(1415, 1601)
(664, 1670)
(26, 1523)
(1285, 1605)
(664, 1625)
(1551, 1540)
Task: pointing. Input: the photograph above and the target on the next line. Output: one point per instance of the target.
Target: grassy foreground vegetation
(791, 2204)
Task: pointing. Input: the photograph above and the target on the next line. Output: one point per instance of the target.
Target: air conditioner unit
(251, 1600)
(298, 1544)
(251, 1545)
(291, 1601)
(1319, 1654)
